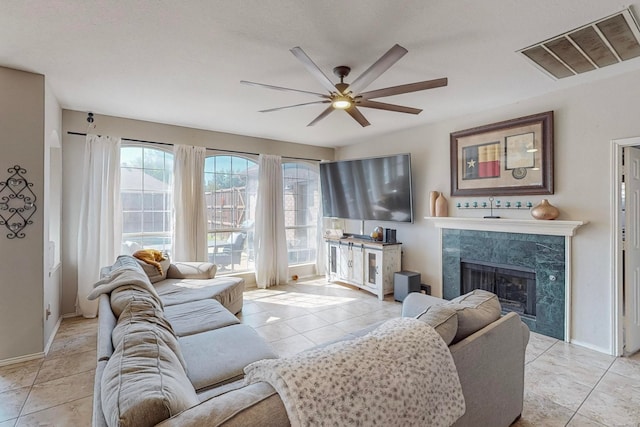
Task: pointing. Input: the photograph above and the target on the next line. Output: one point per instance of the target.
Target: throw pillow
(144, 383)
(152, 271)
(476, 310)
(192, 270)
(444, 320)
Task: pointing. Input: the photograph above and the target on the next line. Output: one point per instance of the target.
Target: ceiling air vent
(604, 42)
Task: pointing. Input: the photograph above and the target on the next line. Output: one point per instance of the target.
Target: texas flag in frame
(481, 161)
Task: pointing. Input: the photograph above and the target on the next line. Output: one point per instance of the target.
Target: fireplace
(515, 286)
(527, 271)
(541, 247)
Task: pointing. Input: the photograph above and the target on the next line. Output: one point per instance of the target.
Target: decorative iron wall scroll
(17, 202)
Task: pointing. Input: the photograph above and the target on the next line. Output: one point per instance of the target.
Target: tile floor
(565, 385)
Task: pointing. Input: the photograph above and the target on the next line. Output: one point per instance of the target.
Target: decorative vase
(545, 210)
(442, 208)
(377, 234)
(433, 196)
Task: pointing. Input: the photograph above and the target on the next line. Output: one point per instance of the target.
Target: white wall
(22, 128)
(587, 118)
(52, 211)
(73, 152)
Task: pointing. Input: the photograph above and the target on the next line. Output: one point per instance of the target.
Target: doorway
(626, 245)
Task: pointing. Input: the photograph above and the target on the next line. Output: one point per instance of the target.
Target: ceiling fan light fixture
(349, 97)
(342, 102)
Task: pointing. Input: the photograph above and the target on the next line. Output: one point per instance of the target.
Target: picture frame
(513, 157)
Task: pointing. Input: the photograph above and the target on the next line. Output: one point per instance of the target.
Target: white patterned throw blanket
(400, 374)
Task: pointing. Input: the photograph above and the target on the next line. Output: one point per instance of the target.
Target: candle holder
(17, 202)
(493, 205)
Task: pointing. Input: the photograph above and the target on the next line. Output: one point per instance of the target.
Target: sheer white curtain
(100, 225)
(189, 241)
(320, 243)
(272, 263)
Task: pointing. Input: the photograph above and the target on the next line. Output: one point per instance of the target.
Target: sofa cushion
(476, 310)
(252, 405)
(198, 316)
(123, 261)
(443, 318)
(415, 303)
(122, 296)
(219, 356)
(192, 270)
(144, 382)
(142, 315)
(226, 290)
(152, 272)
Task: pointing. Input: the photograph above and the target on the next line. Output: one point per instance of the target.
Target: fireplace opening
(514, 286)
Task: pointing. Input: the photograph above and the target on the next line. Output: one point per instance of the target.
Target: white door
(632, 250)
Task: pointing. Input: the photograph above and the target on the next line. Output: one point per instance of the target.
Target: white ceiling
(180, 62)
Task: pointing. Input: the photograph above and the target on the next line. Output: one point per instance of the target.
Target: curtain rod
(211, 149)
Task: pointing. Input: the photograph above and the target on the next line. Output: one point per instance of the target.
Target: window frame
(138, 238)
(226, 243)
(311, 229)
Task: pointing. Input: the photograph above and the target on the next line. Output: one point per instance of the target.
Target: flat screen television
(377, 188)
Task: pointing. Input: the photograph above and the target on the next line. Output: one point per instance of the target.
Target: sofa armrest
(254, 405)
(191, 270)
(490, 366)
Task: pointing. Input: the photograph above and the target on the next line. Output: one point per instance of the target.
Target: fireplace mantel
(525, 226)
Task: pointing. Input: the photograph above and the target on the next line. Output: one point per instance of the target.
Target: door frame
(617, 273)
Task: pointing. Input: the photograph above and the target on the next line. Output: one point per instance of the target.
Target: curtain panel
(100, 225)
(272, 263)
(189, 241)
(321, 255)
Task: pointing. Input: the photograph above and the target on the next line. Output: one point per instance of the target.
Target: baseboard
(592, 347)
(53, 335)
(70, 315)
(20, 359)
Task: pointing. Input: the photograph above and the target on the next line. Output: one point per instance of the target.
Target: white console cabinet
(366, 264)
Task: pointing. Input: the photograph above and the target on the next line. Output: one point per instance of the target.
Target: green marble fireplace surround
(543, 247)
(545, 254)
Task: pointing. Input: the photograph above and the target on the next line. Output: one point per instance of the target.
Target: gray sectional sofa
(172, 353)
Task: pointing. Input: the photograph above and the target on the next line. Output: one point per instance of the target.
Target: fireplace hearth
(515, 286)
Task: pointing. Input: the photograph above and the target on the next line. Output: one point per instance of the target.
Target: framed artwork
(513, 157)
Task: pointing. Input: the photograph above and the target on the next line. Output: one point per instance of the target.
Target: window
(301, 211)
(231, 184)
(145, 187)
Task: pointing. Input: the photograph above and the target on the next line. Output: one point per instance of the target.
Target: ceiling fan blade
(357, 116)
(284, 89)
(392, 56)
(411, 87)
(388, 107)
(313, 69)
(322, 115)
(293, 106)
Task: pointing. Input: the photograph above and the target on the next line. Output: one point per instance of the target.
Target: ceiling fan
(348, 97)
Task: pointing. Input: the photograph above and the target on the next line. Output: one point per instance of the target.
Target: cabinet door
(357, 267)
(333, 260)
(344, 263)
(373, 268)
